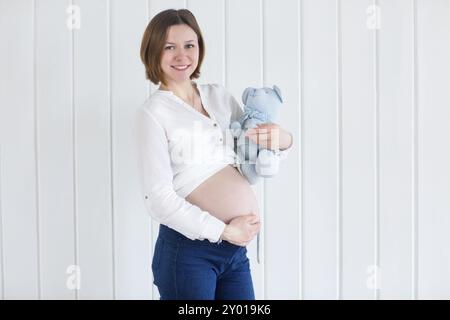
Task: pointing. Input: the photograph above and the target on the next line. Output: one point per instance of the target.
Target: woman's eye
(188, 46)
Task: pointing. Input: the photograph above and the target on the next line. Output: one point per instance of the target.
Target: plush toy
(261, 106)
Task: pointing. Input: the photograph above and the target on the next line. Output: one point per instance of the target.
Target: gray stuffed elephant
(261, 106)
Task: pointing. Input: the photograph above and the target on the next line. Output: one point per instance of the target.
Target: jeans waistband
(173, 236)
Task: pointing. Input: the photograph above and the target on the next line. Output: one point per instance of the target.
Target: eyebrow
(174, 43)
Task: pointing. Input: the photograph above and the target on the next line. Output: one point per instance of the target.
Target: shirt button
(215, 124)
(220, 139)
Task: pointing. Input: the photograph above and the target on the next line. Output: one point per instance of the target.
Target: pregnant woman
(207, 210)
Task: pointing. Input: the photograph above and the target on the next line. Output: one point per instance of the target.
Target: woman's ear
(246, 94)
(278, 92)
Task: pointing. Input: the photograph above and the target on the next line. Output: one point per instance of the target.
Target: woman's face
(179, 58)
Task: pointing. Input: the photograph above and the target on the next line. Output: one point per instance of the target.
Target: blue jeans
(200, 270)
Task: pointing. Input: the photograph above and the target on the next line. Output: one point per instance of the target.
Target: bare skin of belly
(226, 195)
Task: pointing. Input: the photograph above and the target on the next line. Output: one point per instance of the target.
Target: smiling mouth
(181, 68)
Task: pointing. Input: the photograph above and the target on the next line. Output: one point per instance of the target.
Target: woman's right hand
(241, 230)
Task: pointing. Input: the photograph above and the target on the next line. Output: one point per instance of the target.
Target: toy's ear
(278, 92)
(246, 94)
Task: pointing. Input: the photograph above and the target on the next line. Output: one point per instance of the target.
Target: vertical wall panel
(129, 88)
(395, 48)
(358, 152)
(433, 52)
(211, 18)
(320, 134)
(18, 163)
(281, 65)
(2, 276)
(92, 151)
(55, 149)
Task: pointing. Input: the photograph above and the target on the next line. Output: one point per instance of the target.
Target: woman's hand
(270, 136)
(241, 230)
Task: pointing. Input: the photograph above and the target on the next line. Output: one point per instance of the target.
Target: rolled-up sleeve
(156, 176)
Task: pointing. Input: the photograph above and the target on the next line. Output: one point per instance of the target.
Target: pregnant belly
(226, 195)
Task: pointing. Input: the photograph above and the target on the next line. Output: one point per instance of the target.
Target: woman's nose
(180, 53)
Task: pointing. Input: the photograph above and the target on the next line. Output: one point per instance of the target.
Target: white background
(359, 210)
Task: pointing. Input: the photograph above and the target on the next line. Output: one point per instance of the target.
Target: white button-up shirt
(178, 149)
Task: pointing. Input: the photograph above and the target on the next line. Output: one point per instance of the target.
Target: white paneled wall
(320, 206)
(432, 166)
(359, 210)
(396, 105)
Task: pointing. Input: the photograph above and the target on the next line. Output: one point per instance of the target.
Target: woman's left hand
(270, 136)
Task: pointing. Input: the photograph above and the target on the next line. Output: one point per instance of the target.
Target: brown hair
(154, 39)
